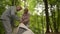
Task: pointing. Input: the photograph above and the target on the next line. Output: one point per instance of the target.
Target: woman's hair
(26, 10)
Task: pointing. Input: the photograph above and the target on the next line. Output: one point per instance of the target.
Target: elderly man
(23, 27)
(7, 17)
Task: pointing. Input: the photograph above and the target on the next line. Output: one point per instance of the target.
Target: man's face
(18, 8)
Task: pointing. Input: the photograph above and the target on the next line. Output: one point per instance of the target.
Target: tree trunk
(47, 16)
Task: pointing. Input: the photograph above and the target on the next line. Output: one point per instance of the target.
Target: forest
(44, 15)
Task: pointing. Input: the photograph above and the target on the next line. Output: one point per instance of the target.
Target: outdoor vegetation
(44, 15)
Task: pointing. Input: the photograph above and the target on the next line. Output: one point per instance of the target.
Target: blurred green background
(44, 14)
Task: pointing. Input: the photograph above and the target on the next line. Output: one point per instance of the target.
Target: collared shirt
(10, 12)
(25, 29)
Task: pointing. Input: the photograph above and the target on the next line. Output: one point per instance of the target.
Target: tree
(47, 16)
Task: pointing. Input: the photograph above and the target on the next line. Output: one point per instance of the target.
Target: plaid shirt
(25, 18)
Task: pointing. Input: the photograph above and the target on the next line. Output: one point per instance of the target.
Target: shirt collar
(23, 26)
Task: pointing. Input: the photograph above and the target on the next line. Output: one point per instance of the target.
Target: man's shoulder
(12, 6)
(28, 32)
(21, 30)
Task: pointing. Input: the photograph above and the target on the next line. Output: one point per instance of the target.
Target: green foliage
(32, 4)
(37, 22)
(52, 2)
(2, 8)
(1, 28)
